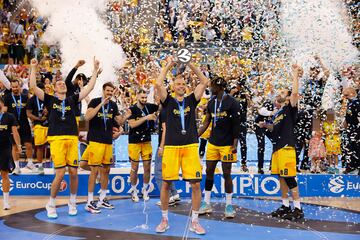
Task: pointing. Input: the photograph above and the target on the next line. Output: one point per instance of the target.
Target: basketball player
(141, 123)
(62, 134)
(281, 133)
(8, 130)
(103, 115)
(224, 112)
(38, 114)
(15, 103)
(181, 142)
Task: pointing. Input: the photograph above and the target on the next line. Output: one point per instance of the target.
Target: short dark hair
(14, 81)
(141, 90)
(108, 84)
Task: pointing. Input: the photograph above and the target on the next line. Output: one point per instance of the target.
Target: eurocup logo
(63, 186)
(336, 185)
(184, 55)
(11, 185)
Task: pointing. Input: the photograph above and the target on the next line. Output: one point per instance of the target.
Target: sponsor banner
(244, 185)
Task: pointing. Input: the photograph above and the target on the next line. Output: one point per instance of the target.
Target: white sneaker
(145, 195)
(72, 209)
(176, 198)
(51, 211)
(6, 206)
(17, 171)
(134, 196)
(30, 166)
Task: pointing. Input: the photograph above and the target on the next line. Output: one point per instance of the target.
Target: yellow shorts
(64, 150)
(97, 154)
(40, 135)
(137, 149)
(283, 162)
(223, 153)
(185, 157)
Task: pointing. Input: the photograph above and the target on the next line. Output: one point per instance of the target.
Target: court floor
(326, 218)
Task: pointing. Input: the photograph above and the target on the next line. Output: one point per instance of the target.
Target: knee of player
(291, 182)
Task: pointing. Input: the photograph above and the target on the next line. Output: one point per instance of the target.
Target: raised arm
(325, 70)
(204, 81)
(90, 86)
(70, 76)
(4, 80)
(159, 85)
(121, 119)
(294, 98)
(37, 91)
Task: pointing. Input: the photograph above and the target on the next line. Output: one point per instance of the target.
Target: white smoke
(77, 27)
(317, 27)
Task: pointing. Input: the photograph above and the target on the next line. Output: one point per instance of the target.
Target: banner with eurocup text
(249, 185)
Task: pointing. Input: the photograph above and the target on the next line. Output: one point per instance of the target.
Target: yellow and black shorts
(140, 149)
(283, 162)
(185, 157)
(222, 153)
(97, 154)
(64, 150)
(40, 135)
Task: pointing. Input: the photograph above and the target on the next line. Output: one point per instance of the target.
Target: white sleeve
(264, 112)
(4, 80)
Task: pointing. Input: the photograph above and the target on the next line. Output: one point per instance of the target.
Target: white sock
(207, 197)
(90, 197)
(17, 164)
(164, 214)
(286, 202)
(6, 197)
(228, 197)
(102, 194)
(72, 198)
(133, 187)
(30, 161)
(297, 204)
(52, 201)
(145, 186)
(195, 216)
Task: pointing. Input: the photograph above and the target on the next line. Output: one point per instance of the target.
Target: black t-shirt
(142, 133)
(284, 124)
(7, 120)
(37, 106)
(162, 119)
(227, 121)
(97, 131)
(57, 126)
(173, 136)
(353, 114)
(17, 107)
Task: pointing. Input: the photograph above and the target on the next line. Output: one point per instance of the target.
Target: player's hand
(19, 148)
(160, 151)
(80, 63)
(96, 64)
(116, 133)
(262, 124)
(105, 101)
(151, 117)
(128, 113)
(170, 62)
(34, 63)
(233, 149)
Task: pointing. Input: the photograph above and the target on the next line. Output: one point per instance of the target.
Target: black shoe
(349, 170)
(295, 214)
(244, 168)
(298, 170)
(260, 171)
(281, 211)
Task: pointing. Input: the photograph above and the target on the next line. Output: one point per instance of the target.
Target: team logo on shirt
(3, 127)
(59, 107)
(177, 111)
(222, 114)
(278, 119)
(23, 105)
(101, 115)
